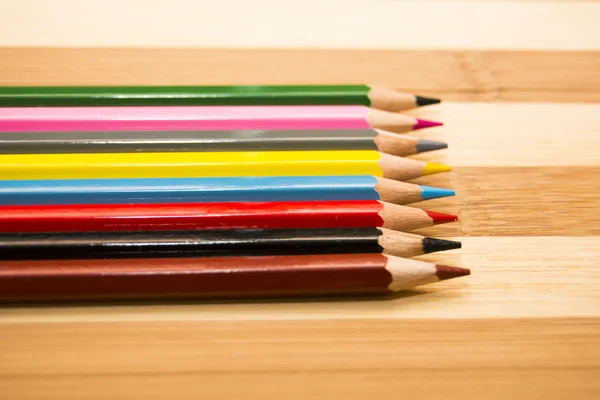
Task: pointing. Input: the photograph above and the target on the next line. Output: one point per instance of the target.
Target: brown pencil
(220, 277)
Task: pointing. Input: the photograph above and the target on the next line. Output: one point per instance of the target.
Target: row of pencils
(155, 192)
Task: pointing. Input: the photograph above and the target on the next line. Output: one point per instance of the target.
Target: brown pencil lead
(444, 272)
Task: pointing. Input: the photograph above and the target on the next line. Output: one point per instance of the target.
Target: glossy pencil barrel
(195, 141)
(192, 216)
(185, 190)
(60, 96)
(180, 165)
(53, 119)
(208, 243)
(219, 277)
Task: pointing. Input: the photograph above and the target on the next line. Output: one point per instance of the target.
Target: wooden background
(521, 80)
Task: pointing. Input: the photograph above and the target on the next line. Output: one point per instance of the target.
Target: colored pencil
(66, 119)
(212, 165)
(414, 245)
(198, 216)
(203, 243)
(195, 141)
(216, 277)
(191, 190)
(70, 96)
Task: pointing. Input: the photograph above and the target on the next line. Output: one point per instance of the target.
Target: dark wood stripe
(454, 75)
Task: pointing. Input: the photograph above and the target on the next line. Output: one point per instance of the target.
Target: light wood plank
(540, 358)
(515, 134)
(454, 75)
(529, 277)
(455, 339)
(549, 384)
(373, 24)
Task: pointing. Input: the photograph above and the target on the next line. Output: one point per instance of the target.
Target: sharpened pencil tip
(430, 192)
(434, 168)
(429, 145)
(441, 218)
(432, 245)
(423, 123)
(444, 272)
(426, 101)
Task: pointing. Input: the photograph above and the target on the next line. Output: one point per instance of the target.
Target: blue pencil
(185, 190)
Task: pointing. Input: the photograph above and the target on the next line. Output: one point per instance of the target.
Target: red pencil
(194, 216)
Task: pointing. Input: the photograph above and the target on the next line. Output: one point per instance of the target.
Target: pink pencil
(69, 119)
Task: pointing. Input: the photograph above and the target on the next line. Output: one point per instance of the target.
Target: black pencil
(250, 242)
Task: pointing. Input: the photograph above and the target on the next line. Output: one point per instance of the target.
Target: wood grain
(512, 277)
(524, 325)
(518, 201)
(500, 75)
(537, 358)
(514, 134)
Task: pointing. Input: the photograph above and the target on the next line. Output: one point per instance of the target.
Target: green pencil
(85, 96)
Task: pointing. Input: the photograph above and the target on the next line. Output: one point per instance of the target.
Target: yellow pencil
(218, 164)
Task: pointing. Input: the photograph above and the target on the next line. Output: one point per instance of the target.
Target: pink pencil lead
(422, 124)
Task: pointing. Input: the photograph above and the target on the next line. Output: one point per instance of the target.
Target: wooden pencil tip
(444, 272)
(441, 218)
(426, 101)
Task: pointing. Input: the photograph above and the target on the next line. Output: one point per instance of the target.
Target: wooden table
(524, 133)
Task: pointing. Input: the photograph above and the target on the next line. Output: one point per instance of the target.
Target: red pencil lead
(441, 218)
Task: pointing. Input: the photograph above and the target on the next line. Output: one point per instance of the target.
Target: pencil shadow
(187, 302)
